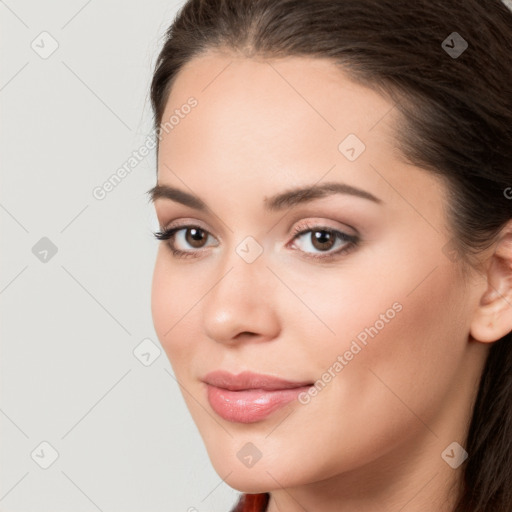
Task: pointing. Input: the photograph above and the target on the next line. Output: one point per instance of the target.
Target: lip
(249, 397)
(249, 380)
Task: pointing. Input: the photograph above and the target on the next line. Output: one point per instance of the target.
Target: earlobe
(492, 318)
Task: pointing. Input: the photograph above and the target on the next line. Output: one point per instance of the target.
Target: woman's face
(368, 304)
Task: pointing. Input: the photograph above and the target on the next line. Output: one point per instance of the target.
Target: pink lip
(250, 380)
(249, 397)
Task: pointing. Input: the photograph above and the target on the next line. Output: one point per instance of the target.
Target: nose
(242, 302)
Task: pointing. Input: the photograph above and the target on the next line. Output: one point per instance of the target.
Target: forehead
(268, 98)
(249, 105)
(267, 124)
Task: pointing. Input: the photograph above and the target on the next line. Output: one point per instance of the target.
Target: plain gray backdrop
(90, 419)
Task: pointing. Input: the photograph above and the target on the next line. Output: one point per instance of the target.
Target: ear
(493, 317)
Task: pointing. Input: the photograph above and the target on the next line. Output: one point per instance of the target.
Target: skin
(372, 438)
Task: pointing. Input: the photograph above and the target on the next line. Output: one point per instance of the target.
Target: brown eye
(183, 240)
(195, 237)
(323, 239)
(317, 241)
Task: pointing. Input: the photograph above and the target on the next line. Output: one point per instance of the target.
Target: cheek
(397, 321)
(172, 300)
(428, 341)
(408, 363)
(161, 311)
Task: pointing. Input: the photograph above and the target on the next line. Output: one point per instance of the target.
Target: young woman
(333, 287)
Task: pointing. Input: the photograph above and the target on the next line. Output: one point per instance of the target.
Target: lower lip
(251, 405)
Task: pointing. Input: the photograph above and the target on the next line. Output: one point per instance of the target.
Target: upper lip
(249, 380)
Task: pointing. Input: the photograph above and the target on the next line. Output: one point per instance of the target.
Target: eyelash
(351, 240)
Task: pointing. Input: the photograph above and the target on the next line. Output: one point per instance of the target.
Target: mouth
(249, 397)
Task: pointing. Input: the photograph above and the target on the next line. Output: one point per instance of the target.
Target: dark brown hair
(455, 121)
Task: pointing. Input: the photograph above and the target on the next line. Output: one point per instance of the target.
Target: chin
(250, 485)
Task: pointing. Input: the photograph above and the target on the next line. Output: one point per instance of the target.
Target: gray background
(70, 321)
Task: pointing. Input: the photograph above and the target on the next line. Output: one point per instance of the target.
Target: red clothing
(252, 503)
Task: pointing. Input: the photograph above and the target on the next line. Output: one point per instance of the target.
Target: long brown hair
(456, 121)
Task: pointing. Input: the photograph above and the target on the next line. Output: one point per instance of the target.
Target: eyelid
(313, 221)
(312, 225)
(187, 223)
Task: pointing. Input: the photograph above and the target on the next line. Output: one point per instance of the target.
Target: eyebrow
(274, 203)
